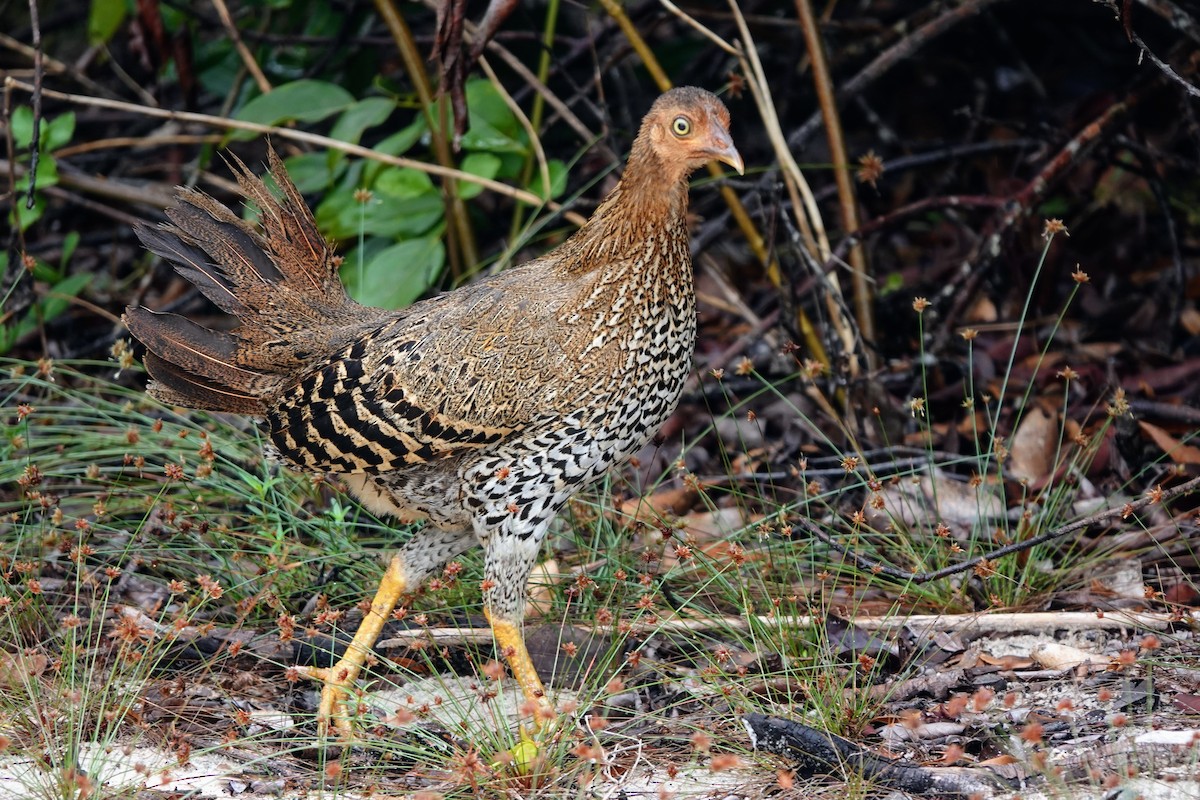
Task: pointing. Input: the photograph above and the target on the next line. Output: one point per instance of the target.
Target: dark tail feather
(196, 367)
(178, 387)
(282, 285)
(303, 254)
(288, 270)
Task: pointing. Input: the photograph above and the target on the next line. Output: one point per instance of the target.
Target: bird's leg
(511, 641)
(339, 679)
(508, 562)
(426, 552)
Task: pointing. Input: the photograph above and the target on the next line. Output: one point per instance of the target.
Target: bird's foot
(336, 696)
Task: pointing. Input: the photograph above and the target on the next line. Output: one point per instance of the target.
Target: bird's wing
(462, 371)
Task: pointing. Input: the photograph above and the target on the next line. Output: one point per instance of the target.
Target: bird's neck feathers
(648, 206)
(654, 184)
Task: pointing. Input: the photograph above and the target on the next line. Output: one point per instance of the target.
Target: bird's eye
(682, 126)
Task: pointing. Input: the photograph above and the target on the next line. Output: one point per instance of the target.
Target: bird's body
(481, 411)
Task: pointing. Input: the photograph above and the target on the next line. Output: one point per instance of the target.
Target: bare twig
(1165, 68)
(1016, 208)
(864, 293)
(928, 204)
(260, 79)
(55, 67)
(461, 238)
(980, 624)
(313, 139)
(534, 140)
(539, 87)
(34, 149)
(893, 56)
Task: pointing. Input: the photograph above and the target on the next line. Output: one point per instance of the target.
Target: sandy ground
(138, 769)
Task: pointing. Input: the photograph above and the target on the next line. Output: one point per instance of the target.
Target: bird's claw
(337, 685)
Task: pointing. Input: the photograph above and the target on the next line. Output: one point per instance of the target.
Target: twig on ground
(980, 624)
(815, 752)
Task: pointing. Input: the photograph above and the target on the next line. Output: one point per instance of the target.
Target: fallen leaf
(1031, 451)
(672, 501)
(1188, 703)
(935, 496)
(17, 669)
(1177, 451)
(1053, 655)
(1007, 661)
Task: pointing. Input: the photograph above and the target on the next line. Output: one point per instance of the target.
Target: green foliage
(483, 165)
(395, 215)
(304, 100)
(55, 301)
(53, 134)
(398, 275)
(104, 19)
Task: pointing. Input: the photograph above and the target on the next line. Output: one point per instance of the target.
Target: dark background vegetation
(977, 113)
(988, 118)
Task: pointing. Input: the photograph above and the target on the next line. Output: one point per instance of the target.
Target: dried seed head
(870, 168)
(1054, 227)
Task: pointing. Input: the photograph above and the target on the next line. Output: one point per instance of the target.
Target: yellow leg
(339, 679)
(512, 647)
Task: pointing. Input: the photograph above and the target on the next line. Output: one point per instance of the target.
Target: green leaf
(45, 273)
(47, 175)
(311, 172)
(558, 180)
(22, 126)
(342, 217)
(493, 127)
(104, 19)
(485, 165)
(398, 275)
(397, 144)
(891, 284)
(58, 299)
(402, 140)
(482, 135)
(54, 133)
(70, 242)
(58, 132)
(485, 103)
(306, 100)
(403, 183)
(360, 116)
(27, 216)
(219, 68)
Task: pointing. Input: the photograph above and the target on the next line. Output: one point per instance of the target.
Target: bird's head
(686, 128)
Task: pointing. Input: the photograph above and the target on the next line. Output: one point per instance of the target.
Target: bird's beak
(721, 149)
